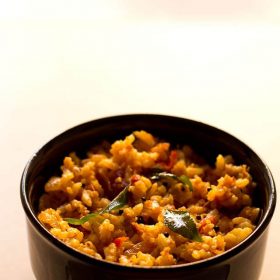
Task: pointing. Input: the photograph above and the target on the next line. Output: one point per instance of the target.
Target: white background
(66, 62)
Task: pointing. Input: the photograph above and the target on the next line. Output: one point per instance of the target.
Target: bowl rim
(212, 261)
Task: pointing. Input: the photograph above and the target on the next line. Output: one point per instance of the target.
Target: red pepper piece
(119, 241)
(173, 157)
(134, 178)
(203, 223)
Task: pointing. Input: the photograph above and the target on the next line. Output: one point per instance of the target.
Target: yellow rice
(220, 203)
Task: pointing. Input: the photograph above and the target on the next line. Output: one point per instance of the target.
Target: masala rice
(220, 203)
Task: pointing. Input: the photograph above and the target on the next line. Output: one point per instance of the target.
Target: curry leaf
(81, 221)
(118, 202)
(186, 181)
(182, 223)
(166, 175)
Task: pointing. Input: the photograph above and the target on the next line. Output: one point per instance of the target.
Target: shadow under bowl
(52, 259)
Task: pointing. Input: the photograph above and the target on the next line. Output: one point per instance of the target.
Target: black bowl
(52, 259)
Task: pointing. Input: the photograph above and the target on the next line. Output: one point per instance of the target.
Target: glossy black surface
(51, 259)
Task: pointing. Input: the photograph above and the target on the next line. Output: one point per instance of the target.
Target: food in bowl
(142, 201)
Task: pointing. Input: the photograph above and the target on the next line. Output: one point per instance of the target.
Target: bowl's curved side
(204, 138)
